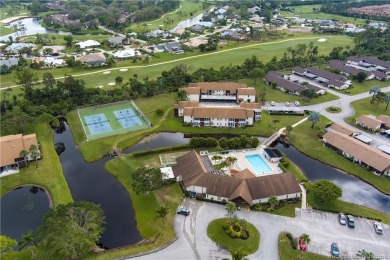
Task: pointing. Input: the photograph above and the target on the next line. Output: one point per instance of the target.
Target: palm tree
(23, 153)
(366, 255)
(215, 158)
(305, 238)
(230, 161)
(374, 90)
(273, 201)
(314, 117)
(387, 101)
(27, 241)
(231, 208)
(162, 213)
(34, 153)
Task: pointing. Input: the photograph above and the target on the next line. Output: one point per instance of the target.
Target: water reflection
(22, 210)
(354, 190)
(158, 141)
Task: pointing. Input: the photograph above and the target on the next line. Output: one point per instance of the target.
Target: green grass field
(306, 11)
(176, 16)
(91, 129)
(233, 54)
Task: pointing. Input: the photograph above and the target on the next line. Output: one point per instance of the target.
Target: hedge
(160, 150)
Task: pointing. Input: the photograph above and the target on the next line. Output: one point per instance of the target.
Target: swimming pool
(258, 164)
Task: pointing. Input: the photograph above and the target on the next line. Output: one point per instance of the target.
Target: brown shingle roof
(342, 129)
(369, 121)
(12, 145)
(384, 119)
(250, 188)
(244, 174)
(250, 105)
(191, 90)
(205, 86)
(363, 152)
(246, 91)
(219, 112)
(183, 104)
(91, 58)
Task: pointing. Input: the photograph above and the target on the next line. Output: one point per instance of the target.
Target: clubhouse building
(244, 188)
(219, 104)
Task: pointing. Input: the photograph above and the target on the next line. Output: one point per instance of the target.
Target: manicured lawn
(286, 252)
(365, 86)
(218, 235)
(236, 55)
(5, 30)
(364, 107)
(287, 210)
(49, 172)
(348, 208)
(305, 139)
(187, 7)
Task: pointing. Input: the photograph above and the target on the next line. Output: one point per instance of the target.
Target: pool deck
(242, 163)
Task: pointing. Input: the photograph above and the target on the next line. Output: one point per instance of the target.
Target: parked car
(287, 104)
(297, 104)
(342, 219)
(183, 211)
(334, 249)
(272, 103)
(351, 221)
(378, 228)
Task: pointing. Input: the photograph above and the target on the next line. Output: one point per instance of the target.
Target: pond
(91, 182)
(188, 23)
(22, 210)
(354, 190)
(32, 26)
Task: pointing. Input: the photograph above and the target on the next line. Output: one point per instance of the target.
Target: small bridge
(271, 139)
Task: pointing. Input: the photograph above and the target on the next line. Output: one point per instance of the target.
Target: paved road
(347, 111)
(323, 229)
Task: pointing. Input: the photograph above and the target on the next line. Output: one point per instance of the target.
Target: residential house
(342, 129)
(218, 116)
(93, 59)
(10, 148)
(360, 153)
(173, 47)
(369, 64)
(346, 70)
(117, 41)
(50, 62)
(379, 75)
(256, 107)
(87, 44)
(178, 109)
(126, 54)
(7, 63)
(17, 46)
(386, 121)
(245, 188)
(368, 122)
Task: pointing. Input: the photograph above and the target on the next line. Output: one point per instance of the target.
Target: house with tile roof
(368, 122)
(10, 148)
(365, 155)
(386, 121)
(243, 188)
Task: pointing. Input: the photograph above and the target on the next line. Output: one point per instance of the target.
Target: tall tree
(71, 230)
(162, 213)
(231, 207)
(374, 90)
(23, 153)
(25, 77)
(387, 101)
(48, 80)
(314, 117)
(34, 153)
(256, 73)
(305, 239)
(69, 40)
(325, 191)
(146, 180)
(28, 240)
(6, 245)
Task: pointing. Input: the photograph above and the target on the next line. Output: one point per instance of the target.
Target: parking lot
(349, 240)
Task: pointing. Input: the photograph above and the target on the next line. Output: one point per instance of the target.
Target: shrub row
(160, 150)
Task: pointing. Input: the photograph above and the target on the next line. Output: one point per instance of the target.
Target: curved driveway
(323, 229)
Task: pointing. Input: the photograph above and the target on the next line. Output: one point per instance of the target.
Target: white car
(272, 103)
(297, 104)
(287, 104)
(378, 228)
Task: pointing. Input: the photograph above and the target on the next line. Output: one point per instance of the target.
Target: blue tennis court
(127, 118)
(97, 124)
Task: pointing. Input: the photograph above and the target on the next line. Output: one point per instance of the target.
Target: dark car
(351, 221)
(334, 250)
(342, 219)
(183, 211)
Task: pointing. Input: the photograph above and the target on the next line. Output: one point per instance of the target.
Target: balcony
(218, 97)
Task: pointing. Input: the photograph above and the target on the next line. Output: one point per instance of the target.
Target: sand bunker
(123, 69)
(106, 72)
(111, 83)
(322, 40)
